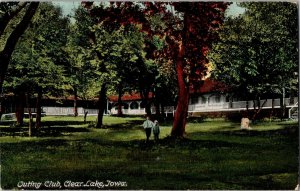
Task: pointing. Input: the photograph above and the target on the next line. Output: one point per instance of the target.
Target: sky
(68, 6)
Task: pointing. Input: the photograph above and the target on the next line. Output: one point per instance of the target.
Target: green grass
(216, 155)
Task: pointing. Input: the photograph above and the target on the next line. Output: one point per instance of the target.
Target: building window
(110, 106)
(125, 105)
(134, 105)
(217, 98)
(203, 100)
(228, 98)
(194, 100)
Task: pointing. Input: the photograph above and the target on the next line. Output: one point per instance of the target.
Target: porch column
(207, 101)
(139, 107)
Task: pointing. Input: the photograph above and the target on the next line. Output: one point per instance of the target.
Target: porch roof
(208, 86)
(128, 97)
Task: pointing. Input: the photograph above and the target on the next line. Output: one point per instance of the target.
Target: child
(156, 130)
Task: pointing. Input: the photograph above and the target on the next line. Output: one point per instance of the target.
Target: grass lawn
(216, 155)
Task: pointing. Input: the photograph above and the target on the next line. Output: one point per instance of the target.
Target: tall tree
(119, 58)
(8, 14)
(258, 51)
(189, 34)
(37, 62)
(120, 61)
(199, 23)
(80, 72)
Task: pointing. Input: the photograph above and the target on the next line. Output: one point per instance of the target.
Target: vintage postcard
(149, 95)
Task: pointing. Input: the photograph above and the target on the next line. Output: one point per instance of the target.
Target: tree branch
(5, 54)
(5, 19)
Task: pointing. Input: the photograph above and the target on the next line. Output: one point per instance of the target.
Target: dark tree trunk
(230, 101)
(282, 107)
(272, 110)
(157, 109)
(75, 102)
(7, 16)
(148, 108)
(120, 113)
(162, 109)
(2, 109)
(85, 115)
(20, 104)
(145, 96)
(38, 121)
(156, 105)
(12, 40)
(254, 104)
(259, 110)
(292, 96)
(147, 105)
(102, 104)
(29, 114)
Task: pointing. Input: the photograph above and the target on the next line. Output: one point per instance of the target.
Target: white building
(210, 97)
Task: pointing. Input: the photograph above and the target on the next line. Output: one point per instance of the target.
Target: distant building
(210, 99)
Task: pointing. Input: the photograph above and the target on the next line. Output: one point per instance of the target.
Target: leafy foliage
(257, 52)
(38, 60)
(80, 73)
(188, 29)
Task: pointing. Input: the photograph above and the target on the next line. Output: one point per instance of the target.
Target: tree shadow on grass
(133, 124)
(42, 132)
(49, 123)
(64, 123)
(62, 128)
(288, 131)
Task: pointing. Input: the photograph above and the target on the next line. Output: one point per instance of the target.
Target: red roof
(128, 97)
(209, 86)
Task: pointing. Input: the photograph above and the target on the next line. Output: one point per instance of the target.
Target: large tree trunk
(38, 110)
(147, 104)
(12, 40)
(102, 104)
(120, 113)
(179, 123)
(20, 104)
(75, 102)
(145, 97)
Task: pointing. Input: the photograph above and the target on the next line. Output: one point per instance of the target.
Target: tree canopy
(37, 65)
(257, 52)
(189, 29)
(12, 28)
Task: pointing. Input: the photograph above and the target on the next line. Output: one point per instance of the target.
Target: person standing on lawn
(156, 130)
(148, 125)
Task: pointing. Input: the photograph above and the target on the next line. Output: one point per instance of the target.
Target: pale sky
(68, 6)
